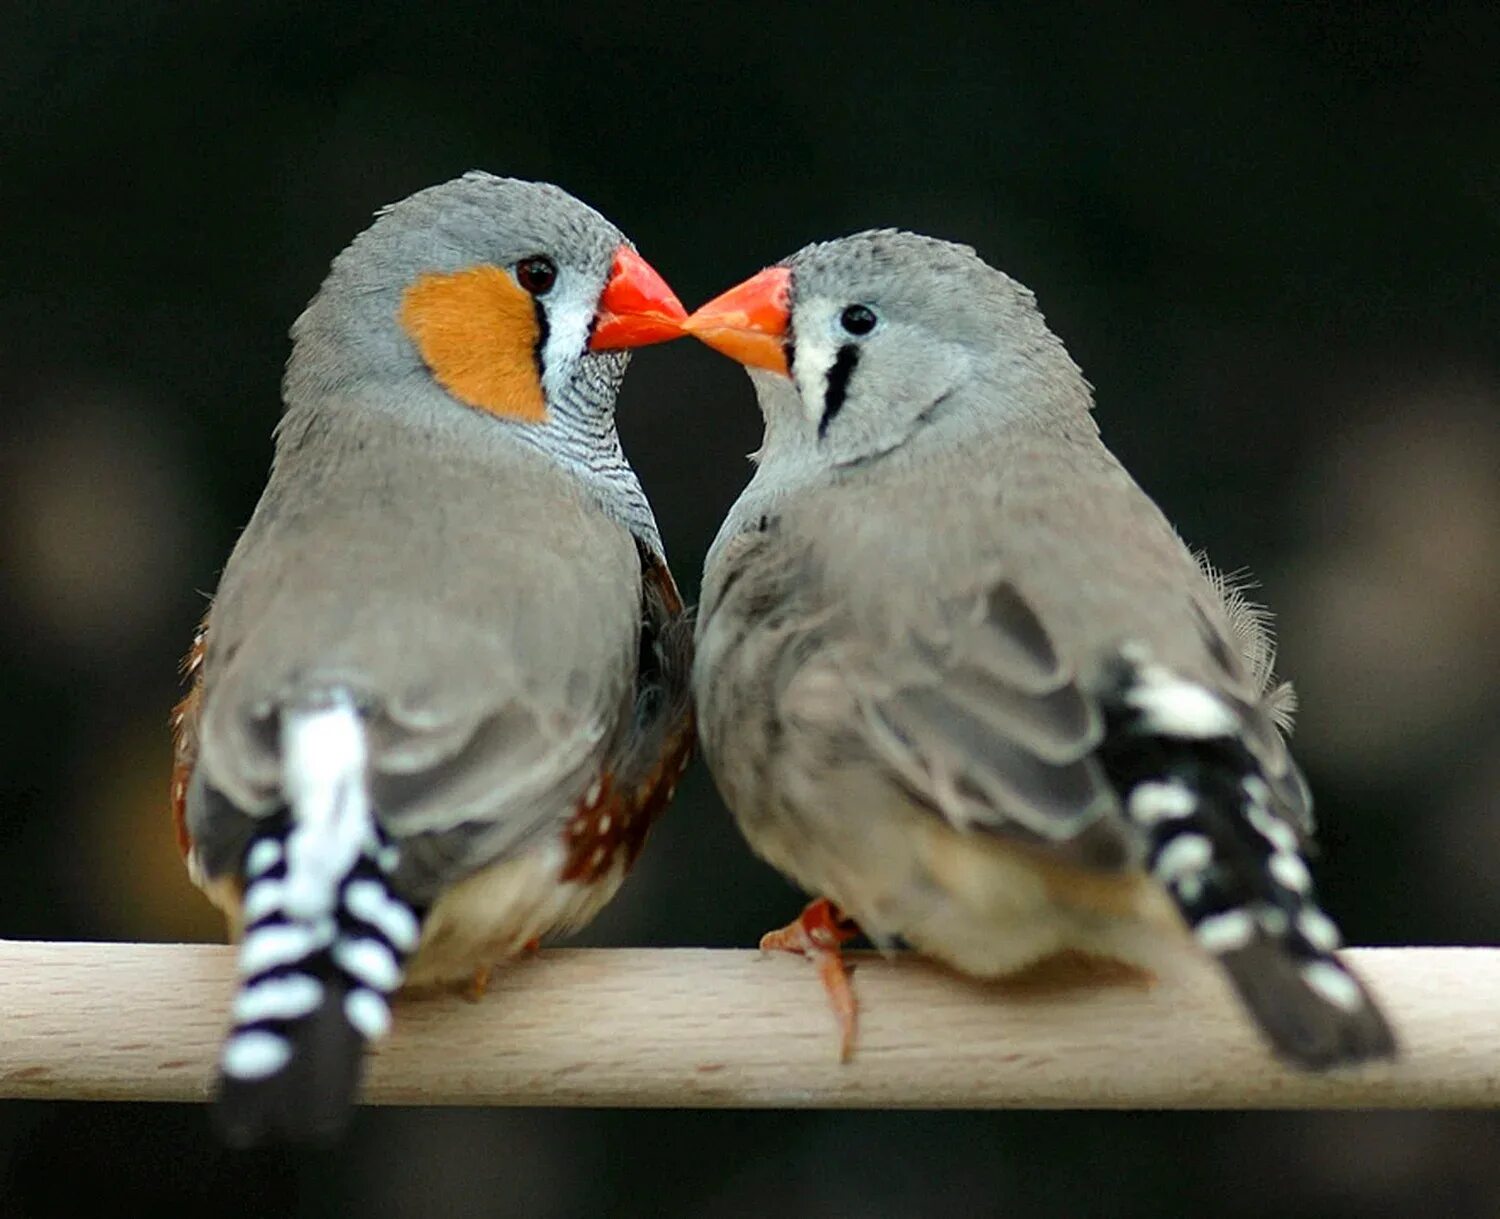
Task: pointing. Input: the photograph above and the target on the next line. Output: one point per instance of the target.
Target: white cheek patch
(814, 360)
(568, 322)
(814, 351)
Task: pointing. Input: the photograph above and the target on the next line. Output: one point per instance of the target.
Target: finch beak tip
(637, 307)
(749, 322)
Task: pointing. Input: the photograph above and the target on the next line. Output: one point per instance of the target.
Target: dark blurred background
(1269, 234)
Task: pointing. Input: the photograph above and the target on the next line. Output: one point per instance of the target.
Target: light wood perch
(700, 1028)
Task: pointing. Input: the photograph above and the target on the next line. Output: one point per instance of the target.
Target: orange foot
(817, 933)
(475, 988)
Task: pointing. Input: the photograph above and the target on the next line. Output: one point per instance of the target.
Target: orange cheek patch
(477, 331)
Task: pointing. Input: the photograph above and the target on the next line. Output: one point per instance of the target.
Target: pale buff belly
(485, 919)
(985, 906)
(496, 913)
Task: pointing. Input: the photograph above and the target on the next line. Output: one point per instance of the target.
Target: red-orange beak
(749, 322)
(637, 307)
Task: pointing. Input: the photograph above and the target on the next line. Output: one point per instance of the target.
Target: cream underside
(484, 919)
(985, 908)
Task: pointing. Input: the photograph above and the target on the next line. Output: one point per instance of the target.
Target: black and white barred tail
(1233, 866)
(324, 944)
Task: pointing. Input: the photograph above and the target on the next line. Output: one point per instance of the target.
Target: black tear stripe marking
(838, 385)
(543, 330)
(1222, 849)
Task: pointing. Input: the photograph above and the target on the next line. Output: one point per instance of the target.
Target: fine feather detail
(1253, 628)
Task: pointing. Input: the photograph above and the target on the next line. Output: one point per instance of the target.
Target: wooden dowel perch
(701, 1028)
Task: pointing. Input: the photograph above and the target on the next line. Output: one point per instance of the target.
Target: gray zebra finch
(957, 675)
(443, 688)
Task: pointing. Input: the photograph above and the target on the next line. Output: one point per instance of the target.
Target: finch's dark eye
(858, 319)
(536, 274)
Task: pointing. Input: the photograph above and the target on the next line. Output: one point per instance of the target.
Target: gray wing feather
(971, 713)
(984, 723)
(970, 631)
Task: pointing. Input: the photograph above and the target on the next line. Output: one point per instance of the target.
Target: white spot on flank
(264, 856)
(368, 900)
(369, 1013)
(278, 999)
(1256, 789)
(261, 899)
(596, 789)
(1180, 708)
(1225, 932)
(281, 944)
(1161, 801)
(1272, 828)
(599, 856)
(1184, 855)
(255, 1055)
(1274, 920)
(370, 961)
(1333, 984)
(1318, 930)
(605, 822)
(1290, 871)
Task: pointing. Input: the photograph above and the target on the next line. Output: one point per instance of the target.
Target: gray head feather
(955, 341)
(350, 351)
(349, 337)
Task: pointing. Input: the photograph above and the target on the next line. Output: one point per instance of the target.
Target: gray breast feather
(970, 707)
(986, 724)
(948, 618)
(972, 714)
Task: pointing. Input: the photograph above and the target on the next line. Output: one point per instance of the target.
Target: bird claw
(817, 933)
(474, 990)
